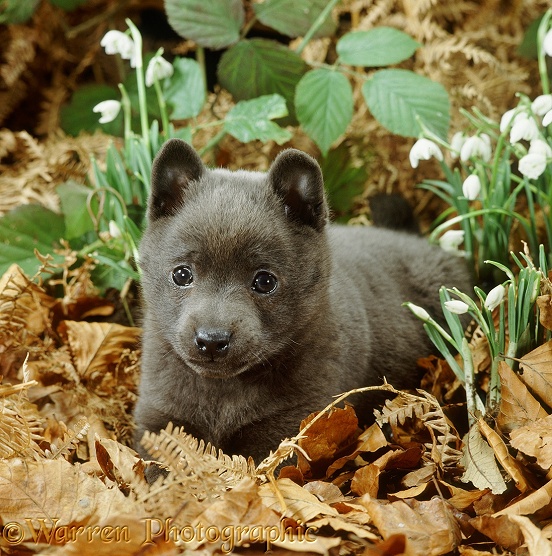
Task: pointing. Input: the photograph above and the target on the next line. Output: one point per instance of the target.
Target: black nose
(213, 343)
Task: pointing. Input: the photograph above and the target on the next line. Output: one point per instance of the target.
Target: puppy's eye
(264, 282)
(182, 275)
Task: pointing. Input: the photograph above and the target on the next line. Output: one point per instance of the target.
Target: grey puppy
(257, 311)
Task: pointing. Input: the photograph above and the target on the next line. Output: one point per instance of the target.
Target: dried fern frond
(69, 441)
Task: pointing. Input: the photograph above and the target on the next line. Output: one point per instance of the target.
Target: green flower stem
(200, 59)
(162, 106)
(541, 55)
(316, 25)
(213, 142)
(127, 114)
(137, 38)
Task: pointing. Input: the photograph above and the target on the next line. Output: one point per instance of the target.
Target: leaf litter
(415, 482)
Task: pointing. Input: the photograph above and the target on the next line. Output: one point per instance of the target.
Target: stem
(541, 55)
(162, 107)
(319, 21)
(127, 115)
(137, 38)
(213, 142)
(200, 59)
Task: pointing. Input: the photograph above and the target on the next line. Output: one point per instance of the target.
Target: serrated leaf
(398, 97)
(378, 47)
(185, 91)
(324, 105)
(215, 24)
(251, 119)
(73, 197)
(294, 17)
(25, 229)
(257, 67)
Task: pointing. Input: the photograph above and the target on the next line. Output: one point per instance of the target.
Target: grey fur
(334, 322)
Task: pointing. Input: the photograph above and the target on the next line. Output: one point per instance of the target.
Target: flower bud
(424, 149)
(418, 311)
(456, 306)
(451, 239)
(495, 297)
(158, 69)
(541, 105)
(471, 187)
(109, 109)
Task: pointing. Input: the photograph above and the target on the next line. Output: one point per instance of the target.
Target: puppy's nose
(212, 343)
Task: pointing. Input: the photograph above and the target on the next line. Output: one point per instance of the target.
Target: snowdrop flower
(116, 42)
(451, 239)
(495, 297)
(476, 146)
(547, 119)
(524, 128)
(532, 165)
(418, 311)
(424, 149)
(547, 43)
(471, 187)
(539, 146)
(456, 143)
(109, 109)
(456, 306)
(507, 119)
(158, 69)
(541, 105)
(114, 230)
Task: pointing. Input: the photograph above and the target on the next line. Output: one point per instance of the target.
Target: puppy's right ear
(174, 168)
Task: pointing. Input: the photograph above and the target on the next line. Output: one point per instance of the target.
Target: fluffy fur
(334, 321)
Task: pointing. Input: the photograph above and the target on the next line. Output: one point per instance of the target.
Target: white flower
(524, 128)
(158, 69)
(476, 146)
(495, 297)
(116, 42)
(507, 119)
(547, 119)
(420, 312)
(109, 110)
(541, 105)
(532, 165)
(458, 139)
(547, 43)
(451, 239)
(424, 149)
(114, 230)
(539, 146)
(471, 187)
(456, 306)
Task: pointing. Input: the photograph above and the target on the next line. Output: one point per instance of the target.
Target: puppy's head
(235, 264)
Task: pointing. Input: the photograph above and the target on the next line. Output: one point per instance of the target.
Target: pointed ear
(174, 168)
(297, 179)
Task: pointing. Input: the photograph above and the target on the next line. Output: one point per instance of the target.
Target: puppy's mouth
(217, 369)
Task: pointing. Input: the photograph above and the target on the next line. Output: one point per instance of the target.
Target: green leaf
(342, 180)
(77, 116)
(251, 119)
(398, 97)
(17, 11)
(214, 24)
(378, 47)
(529, 45)
(257, 67)
(25, 229)
(324, 105)
(185, 90)
(294, 17)
(74, 199)
(68, 5)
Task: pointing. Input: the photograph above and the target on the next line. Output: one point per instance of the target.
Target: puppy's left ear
(297, 180)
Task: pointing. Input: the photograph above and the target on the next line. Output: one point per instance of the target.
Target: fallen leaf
(537, 372)
(430, 527)
(419, 476)
(535, 440)
(544, 303)
(120, 463)
(517, 405)
(462, 499)
(329, 435)
(535, 540)
(325, 492)
(500, 530)
(532, 503)
(366, 479)
(478, 460)
(512, 467)
(340, 523)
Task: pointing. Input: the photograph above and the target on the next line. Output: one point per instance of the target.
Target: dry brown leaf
(537, 372)
(535, 440)
(462, 499)
(535, 540)
(411, 492)
(96, 347)
(332, 433)
(119, 463)
(419, 476)
(517, 404)
(499, 529)
(301, 504)
(532, 503)
(341, 523)
(366, 479)
(325, 492)
(512, 467)
(430, 527)
(544, 303)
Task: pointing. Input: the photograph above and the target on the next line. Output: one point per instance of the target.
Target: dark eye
(264, 282)
(182, 275)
